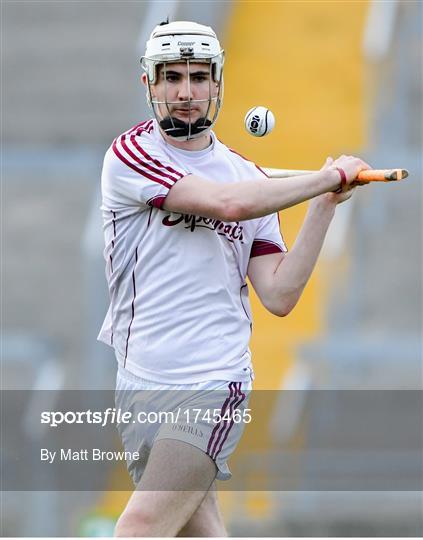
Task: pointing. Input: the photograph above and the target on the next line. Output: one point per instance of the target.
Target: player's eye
(171, 77)
(199, 78)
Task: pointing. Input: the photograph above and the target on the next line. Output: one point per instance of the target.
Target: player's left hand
(338, 196)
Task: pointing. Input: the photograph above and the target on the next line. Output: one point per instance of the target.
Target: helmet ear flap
(218, 67)
(149, 66)
(152, 72)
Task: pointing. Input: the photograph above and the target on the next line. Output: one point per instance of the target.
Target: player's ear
(143, 79)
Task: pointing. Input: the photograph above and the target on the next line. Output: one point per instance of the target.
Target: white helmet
(190, 42)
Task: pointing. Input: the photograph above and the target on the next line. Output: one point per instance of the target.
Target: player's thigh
(175, 482)
(175, 465)
(207, 520)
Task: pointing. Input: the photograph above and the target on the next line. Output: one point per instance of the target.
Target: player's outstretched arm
(278, 279)
(241, 201)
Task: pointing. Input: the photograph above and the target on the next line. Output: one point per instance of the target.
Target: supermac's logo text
(232, 231)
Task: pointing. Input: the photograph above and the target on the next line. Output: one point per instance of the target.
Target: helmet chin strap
(181, 130)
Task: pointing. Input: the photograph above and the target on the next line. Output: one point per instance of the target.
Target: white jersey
(179, 310)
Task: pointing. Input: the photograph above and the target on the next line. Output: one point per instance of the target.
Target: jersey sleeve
(136, 172)
(268, 238)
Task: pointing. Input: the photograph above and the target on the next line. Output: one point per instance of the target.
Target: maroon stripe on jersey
(114, 222)
(149, 217)
(237, 404)
(225, 422)
(242, 303)
(261, 170)
(111, 265)
(143, 126)
(114, 228)
(222, 412)
(146, 126)
(156, 161)
(157, 201)
(111, 329)
(264, 247)
(111, 326)
(113, 239)
(140, 161)
(279, 221)
(137, 169)
(246, 159)
(132, 307)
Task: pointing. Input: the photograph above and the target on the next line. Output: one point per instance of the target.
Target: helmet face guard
(187, 43)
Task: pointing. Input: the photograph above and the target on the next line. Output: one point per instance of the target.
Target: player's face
(181, 92)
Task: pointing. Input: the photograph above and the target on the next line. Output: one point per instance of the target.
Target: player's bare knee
(135, 524)
(206, 521)
(210, 502)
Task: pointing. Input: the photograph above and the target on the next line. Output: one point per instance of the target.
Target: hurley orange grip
(364, 177)
(382, 175)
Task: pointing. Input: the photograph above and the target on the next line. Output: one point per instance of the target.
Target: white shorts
(209, 415)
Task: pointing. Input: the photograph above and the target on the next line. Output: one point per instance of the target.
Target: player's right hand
(351, 166)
